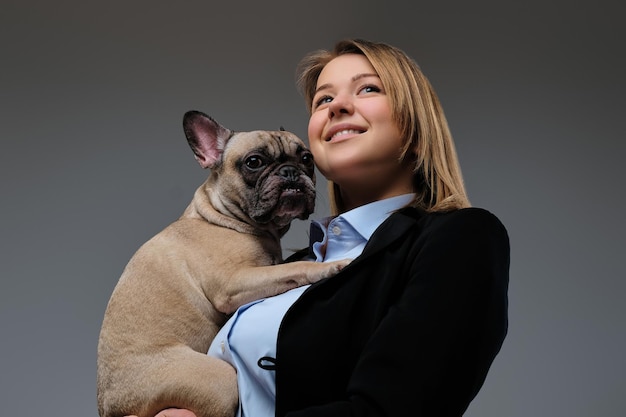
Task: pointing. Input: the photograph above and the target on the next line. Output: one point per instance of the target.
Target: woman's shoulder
(470, 215)
(470, 220)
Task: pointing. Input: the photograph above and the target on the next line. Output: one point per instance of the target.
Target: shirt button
(223, 346)
(336, 230)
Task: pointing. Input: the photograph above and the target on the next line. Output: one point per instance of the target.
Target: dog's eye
(307, 158)
(254, 162)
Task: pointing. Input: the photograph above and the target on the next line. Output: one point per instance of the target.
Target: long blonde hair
(416, 109)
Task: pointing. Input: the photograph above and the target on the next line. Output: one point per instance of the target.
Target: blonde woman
(412, 325)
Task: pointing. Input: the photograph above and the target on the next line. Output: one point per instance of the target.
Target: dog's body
(224, 251)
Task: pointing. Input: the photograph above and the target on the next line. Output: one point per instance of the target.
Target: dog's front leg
(253, 283)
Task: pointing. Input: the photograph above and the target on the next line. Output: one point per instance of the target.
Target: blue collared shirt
(248, 339)
(345, 236)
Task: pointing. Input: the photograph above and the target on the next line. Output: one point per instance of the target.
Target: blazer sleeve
(431, 352)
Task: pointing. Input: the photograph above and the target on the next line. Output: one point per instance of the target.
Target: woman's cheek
(316, 124)
(315, 132)
(318, 155)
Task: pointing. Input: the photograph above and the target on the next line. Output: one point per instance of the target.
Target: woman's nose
(341, 104)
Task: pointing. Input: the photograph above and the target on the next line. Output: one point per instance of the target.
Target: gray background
(93, 162)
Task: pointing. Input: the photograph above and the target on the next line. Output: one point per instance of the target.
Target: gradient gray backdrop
(93, 162)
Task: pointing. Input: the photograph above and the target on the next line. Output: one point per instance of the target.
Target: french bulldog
(224, 251)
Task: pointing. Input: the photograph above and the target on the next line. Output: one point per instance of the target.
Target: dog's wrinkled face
(265, 177)
(270, 175)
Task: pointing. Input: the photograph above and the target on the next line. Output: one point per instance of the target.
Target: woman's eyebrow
(322, 87)
(353, 79)
(364, 75)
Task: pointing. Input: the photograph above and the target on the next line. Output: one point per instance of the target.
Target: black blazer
(409, 328)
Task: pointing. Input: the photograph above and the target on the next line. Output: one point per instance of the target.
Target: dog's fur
(224, 251)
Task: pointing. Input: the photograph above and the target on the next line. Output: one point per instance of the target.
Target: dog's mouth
(282, 201)
(295, 201)
(292, 191)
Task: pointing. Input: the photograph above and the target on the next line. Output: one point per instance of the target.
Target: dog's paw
(336, 266)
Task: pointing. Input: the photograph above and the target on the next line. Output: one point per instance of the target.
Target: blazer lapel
(391, 230)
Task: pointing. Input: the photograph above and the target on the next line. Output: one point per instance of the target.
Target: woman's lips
(343, 133)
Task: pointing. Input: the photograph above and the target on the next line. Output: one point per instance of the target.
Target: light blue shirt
(248, 339)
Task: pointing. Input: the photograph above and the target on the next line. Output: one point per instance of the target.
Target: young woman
(413, 324)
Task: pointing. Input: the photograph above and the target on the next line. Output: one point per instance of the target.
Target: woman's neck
(353, 199)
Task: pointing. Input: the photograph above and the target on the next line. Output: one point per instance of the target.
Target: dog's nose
(289, 173)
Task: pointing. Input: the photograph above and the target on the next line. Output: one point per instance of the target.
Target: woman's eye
(254, 162)
(323, 100)
(371, 89)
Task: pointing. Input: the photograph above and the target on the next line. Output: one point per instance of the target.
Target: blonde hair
(438, 181)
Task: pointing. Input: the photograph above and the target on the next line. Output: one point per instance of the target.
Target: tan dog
(224, 251)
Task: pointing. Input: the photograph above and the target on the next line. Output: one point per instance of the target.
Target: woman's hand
(174, 412)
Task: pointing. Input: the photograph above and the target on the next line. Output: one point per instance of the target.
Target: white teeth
(345, 132)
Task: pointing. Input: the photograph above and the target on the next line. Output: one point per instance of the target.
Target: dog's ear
(206, 137)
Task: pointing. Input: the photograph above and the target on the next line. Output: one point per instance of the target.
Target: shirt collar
(366, 219)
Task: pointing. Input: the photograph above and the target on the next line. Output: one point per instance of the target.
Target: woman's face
(352, 134)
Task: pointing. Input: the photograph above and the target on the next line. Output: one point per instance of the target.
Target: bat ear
(282, 129)
(206, 137)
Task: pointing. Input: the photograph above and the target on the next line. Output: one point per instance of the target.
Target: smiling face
(352, 133)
